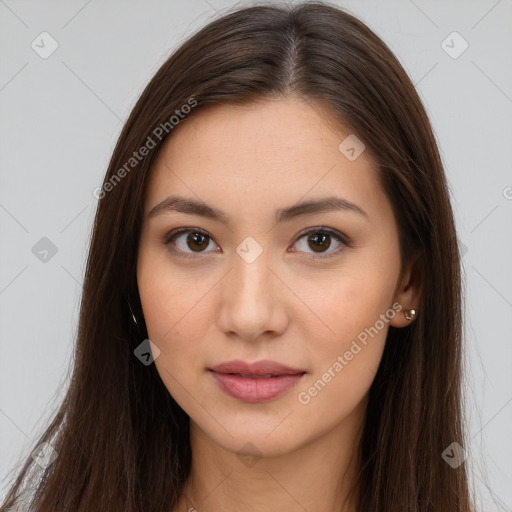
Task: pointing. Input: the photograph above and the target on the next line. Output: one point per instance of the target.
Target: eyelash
(340, 237)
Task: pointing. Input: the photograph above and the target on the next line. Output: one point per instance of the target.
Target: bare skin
(249, 161)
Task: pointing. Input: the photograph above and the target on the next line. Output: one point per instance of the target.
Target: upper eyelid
(181, 231)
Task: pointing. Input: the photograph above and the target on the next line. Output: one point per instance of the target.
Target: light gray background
(60, 118)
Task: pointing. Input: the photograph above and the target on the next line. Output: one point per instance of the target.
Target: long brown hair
(121, 439)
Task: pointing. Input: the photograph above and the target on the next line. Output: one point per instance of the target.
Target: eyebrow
(197, 207)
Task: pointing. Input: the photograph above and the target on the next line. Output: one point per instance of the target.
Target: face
(252, 277)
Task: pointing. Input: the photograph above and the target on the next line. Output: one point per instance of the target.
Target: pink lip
(245, 381)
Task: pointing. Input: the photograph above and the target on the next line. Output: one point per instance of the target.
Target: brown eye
(195, 241)
(319, 242)
(314, 240)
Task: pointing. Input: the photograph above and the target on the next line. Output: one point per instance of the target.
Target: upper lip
(264, 367)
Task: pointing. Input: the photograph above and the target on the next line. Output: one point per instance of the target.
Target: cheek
(350, 355)
(176, 314)
(171, 320)
(356, 306)
(348, 303)
(168, 295)
(345, 363)
(171, 317)
(159, 299)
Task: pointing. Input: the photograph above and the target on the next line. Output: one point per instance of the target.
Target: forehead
(278, 150)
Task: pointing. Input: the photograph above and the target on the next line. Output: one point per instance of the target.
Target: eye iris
(319, 239)
(195, 239)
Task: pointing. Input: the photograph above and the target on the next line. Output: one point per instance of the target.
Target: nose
(253, 301)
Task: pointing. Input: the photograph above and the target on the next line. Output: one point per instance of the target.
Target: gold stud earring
(409, 314)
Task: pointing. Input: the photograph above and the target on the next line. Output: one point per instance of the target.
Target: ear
(408, 292)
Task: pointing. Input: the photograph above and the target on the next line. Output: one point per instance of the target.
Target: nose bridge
(251, 275)
(249, 303)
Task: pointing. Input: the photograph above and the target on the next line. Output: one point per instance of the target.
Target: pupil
(194, 237)
(315, 239)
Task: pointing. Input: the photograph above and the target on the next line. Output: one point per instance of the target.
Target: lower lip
(255, 390)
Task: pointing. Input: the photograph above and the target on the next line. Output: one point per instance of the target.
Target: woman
(271, 316)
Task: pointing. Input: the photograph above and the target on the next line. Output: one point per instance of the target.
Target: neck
(317, 476)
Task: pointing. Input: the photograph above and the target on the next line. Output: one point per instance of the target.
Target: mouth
(264, 368)
(255, 382)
